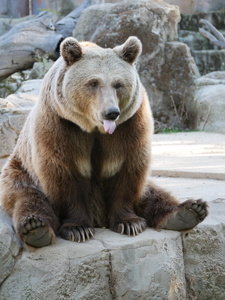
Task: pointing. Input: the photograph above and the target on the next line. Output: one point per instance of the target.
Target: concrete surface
(189, 155)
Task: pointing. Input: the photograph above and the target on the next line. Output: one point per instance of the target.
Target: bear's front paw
(76, 233)
(35, 231)
(130, 227)
(189, 214)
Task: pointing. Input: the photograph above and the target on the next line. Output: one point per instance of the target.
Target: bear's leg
(76, 222)
(161, 210)
(122, 217)
(34, 219)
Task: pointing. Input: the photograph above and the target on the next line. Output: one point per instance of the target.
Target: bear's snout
(111, 113)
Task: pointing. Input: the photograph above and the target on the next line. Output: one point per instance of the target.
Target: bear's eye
(93, 83)
(117, 85)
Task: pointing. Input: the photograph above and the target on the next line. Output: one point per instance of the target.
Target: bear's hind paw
(35, 232)
(131, 227)
(76, 233)
(189, 214)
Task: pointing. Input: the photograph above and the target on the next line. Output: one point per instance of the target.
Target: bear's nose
(112, 113)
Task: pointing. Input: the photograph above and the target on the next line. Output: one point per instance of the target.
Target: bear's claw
(189, 214)
(131, 227)
(35, 232)
(76, 233)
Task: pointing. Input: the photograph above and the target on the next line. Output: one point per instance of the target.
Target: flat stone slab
(153, 265)
(111, 266)
(190, 154)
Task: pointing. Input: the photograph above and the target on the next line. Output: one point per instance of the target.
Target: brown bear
(82, 159)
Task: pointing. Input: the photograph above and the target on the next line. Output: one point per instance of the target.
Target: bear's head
(98, 88)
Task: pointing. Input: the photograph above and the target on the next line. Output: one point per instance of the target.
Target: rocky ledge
(154, 265)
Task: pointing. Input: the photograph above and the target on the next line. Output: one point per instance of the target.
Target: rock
(209, 60)
(203, 247)
(30, 87)
(111, 266)
(120, 19)
(176, 84)
(13, 113)
(9, 246)
(63, 271)
(191, 6)
(204, 256)
(194, 40)
(207, 109)
(147, 266)
(155, 23)
(153, 265)
(191, 21)
(7, 23)
(39, 69)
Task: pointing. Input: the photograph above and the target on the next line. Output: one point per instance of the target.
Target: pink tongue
(109, 126)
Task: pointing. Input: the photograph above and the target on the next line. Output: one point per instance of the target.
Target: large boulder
(208, 106)
(166, 67)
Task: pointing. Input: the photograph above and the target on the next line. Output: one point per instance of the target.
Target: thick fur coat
(83, 157)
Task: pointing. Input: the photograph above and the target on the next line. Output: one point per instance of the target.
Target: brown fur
(66, 170)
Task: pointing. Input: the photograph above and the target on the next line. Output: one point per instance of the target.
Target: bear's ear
(130, 50)
(70, 50)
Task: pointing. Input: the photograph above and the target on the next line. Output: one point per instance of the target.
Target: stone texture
(7, 23)
(30, 87)
(191, 21)
(63, 271)
(203, 247)
(154, 265)
(112, 266)
(13, 113)
(149, 266)
(191, 6)
(174, 84)
(209, 60)
(9, 246)
(39, 69)
(194, 40)
(208, 106)
(166, 68)
(12, 119)
(205, 260)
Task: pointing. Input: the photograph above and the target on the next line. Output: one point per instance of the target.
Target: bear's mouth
(109, 126)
